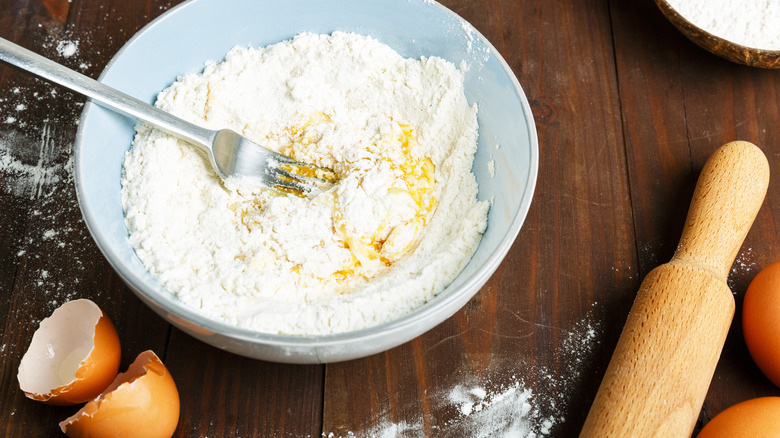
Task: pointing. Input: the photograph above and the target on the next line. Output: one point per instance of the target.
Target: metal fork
(229, 153)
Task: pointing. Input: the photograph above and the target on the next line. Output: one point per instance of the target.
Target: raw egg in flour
(142, 402)
(74, 355)
(756, 418)
(761, 321)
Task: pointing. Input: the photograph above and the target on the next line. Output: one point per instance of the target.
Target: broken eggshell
(73, 356)
(141, 402)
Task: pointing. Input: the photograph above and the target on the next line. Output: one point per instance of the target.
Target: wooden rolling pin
(665, 358)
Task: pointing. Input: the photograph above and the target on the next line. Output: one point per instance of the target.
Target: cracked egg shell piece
(143, 401)
(73, 356)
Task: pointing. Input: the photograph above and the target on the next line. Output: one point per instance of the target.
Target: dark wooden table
(627, 111)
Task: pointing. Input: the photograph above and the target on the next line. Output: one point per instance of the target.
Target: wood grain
(627, 111)
(227, 395)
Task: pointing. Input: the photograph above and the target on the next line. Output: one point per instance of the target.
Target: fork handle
(104, 95)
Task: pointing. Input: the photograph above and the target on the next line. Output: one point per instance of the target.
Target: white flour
(751, 23)
(67, 48)
(497, 400)
(397, 228)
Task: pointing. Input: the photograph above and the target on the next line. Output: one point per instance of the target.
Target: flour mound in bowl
(399, 225)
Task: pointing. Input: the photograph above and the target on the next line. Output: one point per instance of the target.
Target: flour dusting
(493, 403)
(745, 266)
(31, 176)
(67, 48)
(507, 411)
(36, 173)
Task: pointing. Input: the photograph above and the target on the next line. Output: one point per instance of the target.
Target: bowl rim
(425, 311)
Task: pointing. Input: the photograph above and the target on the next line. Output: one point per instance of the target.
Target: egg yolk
(409, 178)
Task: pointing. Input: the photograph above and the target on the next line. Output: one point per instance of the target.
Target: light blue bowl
(181, 40)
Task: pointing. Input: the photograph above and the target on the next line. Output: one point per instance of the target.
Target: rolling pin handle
(657, 379)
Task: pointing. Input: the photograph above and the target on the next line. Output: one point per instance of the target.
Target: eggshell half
(142, 402)
(73, 356)
(755, 418)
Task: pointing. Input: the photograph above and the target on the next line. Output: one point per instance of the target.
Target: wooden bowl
(724, 48)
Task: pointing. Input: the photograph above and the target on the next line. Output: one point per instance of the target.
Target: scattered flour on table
(39, 172)
(34, 178)
(506, 411)
(501, 406)
(399, 225)
(67, 48)
(744, 262)
(751, 23)
(36, 175)
(744, 267)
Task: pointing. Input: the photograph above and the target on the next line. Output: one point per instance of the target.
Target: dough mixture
(399, 225)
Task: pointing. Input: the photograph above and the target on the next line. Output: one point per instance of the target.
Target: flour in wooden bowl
(751, 23)
(400, 224)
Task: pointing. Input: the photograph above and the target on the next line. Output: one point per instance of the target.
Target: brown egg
(761, 321)
(73, 356)
(756, 418)
(142, 402)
